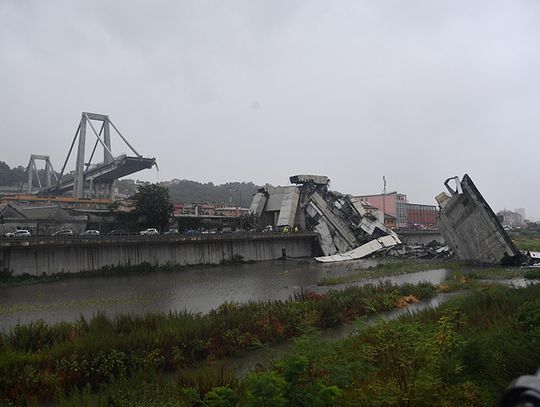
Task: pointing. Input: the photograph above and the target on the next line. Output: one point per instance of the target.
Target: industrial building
(407, 215)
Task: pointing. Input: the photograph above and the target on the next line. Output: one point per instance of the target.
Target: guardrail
(43, 240)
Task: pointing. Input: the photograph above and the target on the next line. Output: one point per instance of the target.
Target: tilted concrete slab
(471, 229)
(289, 205)
(257, 205)
(325, 238)
(340, 227)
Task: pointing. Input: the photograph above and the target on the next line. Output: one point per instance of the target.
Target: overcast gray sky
(258, 90)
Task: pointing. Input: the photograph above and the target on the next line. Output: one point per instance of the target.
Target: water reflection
(197, 289)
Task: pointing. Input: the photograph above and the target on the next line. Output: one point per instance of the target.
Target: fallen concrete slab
(470, 228)
(362, 251)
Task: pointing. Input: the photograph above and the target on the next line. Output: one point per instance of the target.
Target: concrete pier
(37, 257)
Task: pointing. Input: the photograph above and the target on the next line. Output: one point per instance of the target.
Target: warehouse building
(407, 215)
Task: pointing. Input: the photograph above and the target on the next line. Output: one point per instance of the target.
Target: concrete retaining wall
(37, 258)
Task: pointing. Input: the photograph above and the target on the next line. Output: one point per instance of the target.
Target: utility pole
(384, 200)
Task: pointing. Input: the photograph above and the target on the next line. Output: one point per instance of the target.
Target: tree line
(11, 177)
(235, 193)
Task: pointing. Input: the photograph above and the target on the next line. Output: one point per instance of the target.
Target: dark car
(117, 232)
(90, 232)
(63, 232)
(171, 232)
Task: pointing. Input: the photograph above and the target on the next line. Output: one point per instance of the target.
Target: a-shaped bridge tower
(90, 180)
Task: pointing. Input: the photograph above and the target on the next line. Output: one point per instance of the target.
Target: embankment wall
(35, 257)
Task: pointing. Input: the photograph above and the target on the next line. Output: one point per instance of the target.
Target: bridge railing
(42, 240)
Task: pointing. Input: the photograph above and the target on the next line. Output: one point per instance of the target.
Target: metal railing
(135, 237)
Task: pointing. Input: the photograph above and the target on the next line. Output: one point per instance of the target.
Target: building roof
(46, 213)
(10, 211)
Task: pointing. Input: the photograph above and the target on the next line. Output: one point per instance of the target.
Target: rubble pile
(433, 250)
(346, 231)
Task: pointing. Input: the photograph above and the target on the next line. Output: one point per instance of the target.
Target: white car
(149, 232)
(19, 233)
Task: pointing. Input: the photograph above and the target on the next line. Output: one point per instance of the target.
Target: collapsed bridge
(346, 230)
(89, 179)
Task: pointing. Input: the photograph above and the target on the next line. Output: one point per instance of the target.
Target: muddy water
(199, 289)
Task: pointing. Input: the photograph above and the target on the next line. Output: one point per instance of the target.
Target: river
(197, 289)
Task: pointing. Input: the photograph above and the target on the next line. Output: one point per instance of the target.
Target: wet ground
(199, 289)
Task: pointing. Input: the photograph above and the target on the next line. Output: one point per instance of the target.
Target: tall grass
(528, 242)
(463, 353)
(39, 361)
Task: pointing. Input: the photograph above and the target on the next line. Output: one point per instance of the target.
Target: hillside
(193, 191)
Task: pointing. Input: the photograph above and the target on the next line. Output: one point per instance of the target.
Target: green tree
(153, 205)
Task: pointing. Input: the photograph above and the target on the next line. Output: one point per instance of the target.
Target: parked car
(19, 233)
(90, 232)
(63, 232)
(193, 232)
(172, 232)
(149, 232)
(117, 232)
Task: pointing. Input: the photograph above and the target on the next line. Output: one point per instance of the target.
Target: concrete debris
(430, 251)
(534, 255)
(534, 258)
(346, 230)
(470, 228)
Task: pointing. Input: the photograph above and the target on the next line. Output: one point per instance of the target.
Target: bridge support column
(30, 180)
(107, 157)
(78, 185)
(48, 172)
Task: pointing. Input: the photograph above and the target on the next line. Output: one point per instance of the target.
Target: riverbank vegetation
(389, 268)
(41, 362)
(473, 272)
(527, 240)
(464, 353)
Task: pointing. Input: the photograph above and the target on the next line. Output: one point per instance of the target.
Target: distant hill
(11, 177)
(193, 191)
